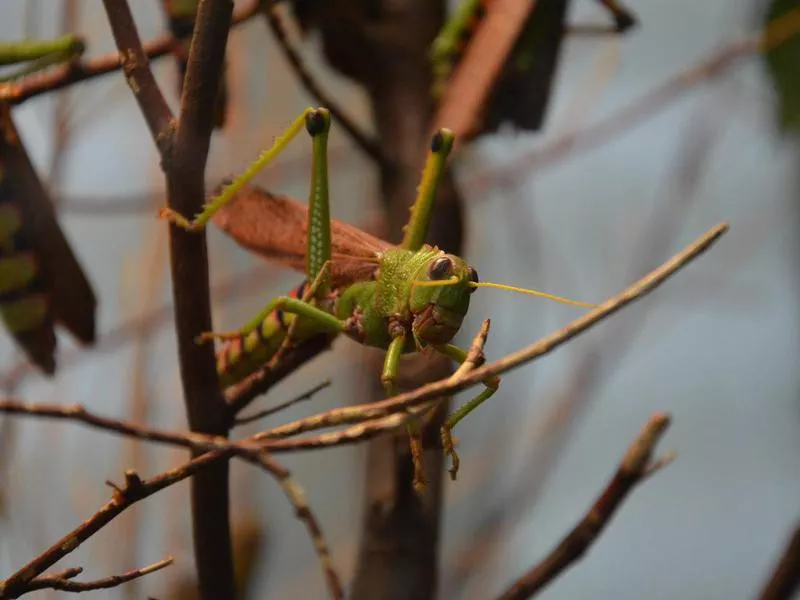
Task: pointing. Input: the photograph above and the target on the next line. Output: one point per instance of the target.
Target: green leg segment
(389, 381)
(326, 321)
(491, 384)
(229, 192)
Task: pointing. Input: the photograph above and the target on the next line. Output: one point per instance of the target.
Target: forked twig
(635, 467)
(63, 581)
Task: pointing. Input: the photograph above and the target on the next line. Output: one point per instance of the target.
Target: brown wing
(276, 227)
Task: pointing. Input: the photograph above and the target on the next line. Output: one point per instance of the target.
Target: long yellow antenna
(512, 288)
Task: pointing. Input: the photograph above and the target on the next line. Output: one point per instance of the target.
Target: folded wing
(276, 228)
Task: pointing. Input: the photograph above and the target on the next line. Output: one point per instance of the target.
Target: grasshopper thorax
(439, 298)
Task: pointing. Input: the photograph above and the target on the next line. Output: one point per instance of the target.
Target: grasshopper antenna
(511, 288)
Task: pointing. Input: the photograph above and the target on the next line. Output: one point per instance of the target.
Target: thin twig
(63, 583)
(222, 448)
(360, 413)
(137, 71)
(70, 74)
(635, 467)
(785, 579)
(283, 406)
(368, 144)
(303, 511)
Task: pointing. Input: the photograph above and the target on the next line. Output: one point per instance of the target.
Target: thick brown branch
(785, 580)
(63, 581)
(205, 406)
(70, 74)
(137, 71)
(634, 468)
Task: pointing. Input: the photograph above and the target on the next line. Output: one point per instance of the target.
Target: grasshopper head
(440, 298)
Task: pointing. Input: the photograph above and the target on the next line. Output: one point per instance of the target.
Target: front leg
(491, 384)
(389, 381)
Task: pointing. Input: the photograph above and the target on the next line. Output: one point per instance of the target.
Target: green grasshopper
(402, 298)
(41, 282)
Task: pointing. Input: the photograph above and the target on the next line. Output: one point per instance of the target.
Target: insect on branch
(63, 581)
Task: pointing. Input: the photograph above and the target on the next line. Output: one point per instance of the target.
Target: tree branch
(137, 71)
(634, 468)
(62, 581)
(785, 580)
(67, 75)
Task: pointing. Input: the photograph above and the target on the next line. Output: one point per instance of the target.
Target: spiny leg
(308, 296)
(389, 381)
(229, 191)
(491, 384)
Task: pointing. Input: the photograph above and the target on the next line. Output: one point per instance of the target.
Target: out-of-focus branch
(63, 581)
(775, 34)
(785, 579)
(635, 467)
(369, 145)
(283, 406)
(70, 74)
(481, 65)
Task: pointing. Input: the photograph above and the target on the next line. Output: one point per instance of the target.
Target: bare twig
(70, 74)
(284, 405)
(297, 499)
(634, 468)
(63, 581)
(221, 448)
(369, 145)
(132, 491)
(137, 71)
(785, 579)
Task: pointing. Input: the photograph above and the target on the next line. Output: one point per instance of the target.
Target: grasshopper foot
(449, 445)
(177, 219)
(415, 442)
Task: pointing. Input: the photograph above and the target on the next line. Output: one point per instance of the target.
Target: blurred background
(716, 347)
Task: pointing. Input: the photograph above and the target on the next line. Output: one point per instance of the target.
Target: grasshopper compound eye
(473, 277)
(441, 268)
(316, 121)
